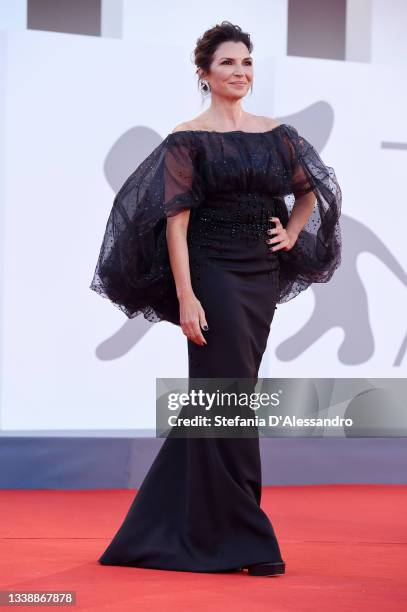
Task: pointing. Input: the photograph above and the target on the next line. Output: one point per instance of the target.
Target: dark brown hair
(207, 44)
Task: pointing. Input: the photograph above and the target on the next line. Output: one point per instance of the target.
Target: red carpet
(345, 548)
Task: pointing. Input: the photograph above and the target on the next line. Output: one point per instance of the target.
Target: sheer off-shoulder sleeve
(317, 251)
(133, 269)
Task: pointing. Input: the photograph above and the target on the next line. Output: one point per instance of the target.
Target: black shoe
(266, 569)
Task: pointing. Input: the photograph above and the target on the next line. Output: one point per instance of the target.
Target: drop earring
(205, 87)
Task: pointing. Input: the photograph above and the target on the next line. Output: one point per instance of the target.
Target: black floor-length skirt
(198, 508)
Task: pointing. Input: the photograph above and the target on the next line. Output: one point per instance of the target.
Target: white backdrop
(70, 359)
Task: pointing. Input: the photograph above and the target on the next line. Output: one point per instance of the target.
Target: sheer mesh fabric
(185, 169)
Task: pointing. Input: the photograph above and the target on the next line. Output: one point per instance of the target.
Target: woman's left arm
(285, 238)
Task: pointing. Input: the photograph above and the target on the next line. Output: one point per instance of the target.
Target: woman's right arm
(192, 315)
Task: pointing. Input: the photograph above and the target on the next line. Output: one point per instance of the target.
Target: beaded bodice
(235, 213)
(229, 220)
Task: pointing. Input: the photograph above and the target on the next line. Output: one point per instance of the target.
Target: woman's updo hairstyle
(207, 44)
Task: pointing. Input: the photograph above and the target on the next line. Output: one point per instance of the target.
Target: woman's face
(231, 71)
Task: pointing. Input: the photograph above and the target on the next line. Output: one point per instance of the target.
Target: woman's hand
(284, 239)
(192, 318)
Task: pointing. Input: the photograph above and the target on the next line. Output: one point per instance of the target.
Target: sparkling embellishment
(237, 216)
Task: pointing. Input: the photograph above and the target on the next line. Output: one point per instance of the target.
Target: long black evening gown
(198, 508)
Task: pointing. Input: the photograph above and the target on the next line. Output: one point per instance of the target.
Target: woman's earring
(205, 87)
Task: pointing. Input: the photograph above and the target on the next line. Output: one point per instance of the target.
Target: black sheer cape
(133, 269)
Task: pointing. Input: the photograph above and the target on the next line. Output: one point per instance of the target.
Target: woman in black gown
(198, 508)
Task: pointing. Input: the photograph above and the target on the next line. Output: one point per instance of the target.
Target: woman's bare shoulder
(269, 123)
(185, 126)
